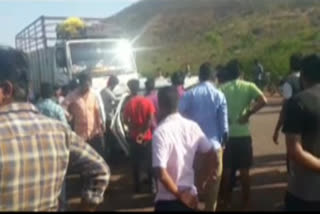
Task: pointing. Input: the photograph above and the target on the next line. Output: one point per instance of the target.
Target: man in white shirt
(289, 89)
(177, 142)
(108, 98)
(109, 103)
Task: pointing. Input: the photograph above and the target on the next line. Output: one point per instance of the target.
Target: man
(244, 99)
(58, 97)
(177, 142)
(302, 130)
(108, 98)
(36, 151)
(109, 103)
(289, 88)
(48, 107)
(177, 80)
(138, 116)
(83, 106)
(258, 74)
(207, 106)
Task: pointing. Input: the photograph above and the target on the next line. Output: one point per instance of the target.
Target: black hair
(65, 90)
(219, 67)
(168, 98)
(14, 68)
(295, 61)
(46, 90)
(310, 66)
(177, 78)
(222, 76)
(207, 72)
(57, 87)
(150, 84)
(72, 85)
(113, 80)
(134, 86)
(233, 70)
(84, 77)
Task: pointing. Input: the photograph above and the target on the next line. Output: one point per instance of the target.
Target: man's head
(134, 86)
(13, 76)
(85, 82)
(150, 84)
(168, 99)
(177, 78)
(57, 90)
(233, 70)
(65, 90)
(207, 72)
(295, 62)
(221, 76)
(46, 91)
(219, 67)
(256, 61)
(310, 70)
(73, 85)
(113, 82)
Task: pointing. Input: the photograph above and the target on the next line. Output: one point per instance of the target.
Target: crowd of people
(190, 143)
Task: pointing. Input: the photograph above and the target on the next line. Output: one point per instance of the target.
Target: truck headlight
(124, 53)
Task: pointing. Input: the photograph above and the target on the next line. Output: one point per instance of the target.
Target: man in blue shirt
(207, 106)
(48, 106)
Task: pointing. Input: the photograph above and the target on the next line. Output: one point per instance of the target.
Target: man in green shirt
(243, 100)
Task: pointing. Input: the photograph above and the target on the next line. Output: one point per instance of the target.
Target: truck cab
(102, 57)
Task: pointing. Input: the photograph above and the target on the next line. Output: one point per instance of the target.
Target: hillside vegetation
(180, 32)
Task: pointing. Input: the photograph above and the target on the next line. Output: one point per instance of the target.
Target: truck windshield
(102, 58)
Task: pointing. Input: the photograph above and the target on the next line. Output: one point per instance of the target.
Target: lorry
(102, 49)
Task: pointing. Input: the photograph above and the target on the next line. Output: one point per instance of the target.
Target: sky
(17, 14)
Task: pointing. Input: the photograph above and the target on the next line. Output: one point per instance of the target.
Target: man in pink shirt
(83, 106)
(177, 142)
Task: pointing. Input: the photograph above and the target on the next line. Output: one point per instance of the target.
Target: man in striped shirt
(35, 151)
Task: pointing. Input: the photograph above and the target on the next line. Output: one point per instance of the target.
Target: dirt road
(268, 174)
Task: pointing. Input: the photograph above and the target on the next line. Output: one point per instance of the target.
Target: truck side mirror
(61, 58)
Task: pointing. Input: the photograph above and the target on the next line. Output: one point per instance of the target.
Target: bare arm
(148, 124)
(167, 181)
(299, 155)
(223, 120)
(160, 155)
(258, 104)
(99, 118)
(279, 125)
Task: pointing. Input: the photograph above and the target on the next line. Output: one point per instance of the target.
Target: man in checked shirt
(35, 151)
